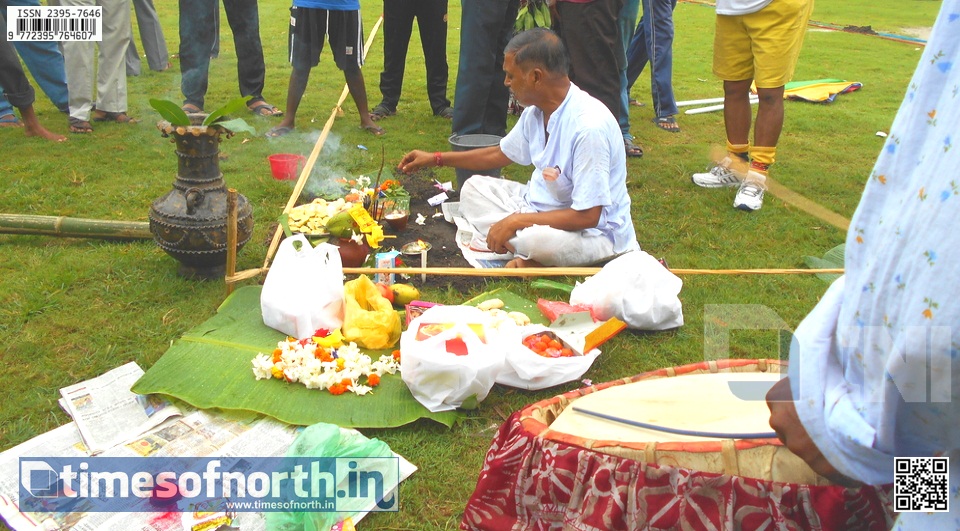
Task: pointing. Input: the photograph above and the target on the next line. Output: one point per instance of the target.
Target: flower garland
(324, 362)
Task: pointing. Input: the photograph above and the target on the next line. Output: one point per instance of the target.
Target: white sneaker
(750, 195)
(719, 176)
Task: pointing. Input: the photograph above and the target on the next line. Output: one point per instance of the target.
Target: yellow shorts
(763, 46)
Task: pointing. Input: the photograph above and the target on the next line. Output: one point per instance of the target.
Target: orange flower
(323, 355)
(927, 314)
(337, 389)
(276, 355)
(396, 355)
(373, 380)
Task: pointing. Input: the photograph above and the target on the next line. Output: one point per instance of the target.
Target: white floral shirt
(875, 367)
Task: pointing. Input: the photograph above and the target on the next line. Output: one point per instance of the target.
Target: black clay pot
(190, 222)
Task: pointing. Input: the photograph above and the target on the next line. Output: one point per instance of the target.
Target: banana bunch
(312, 218)
(536, 14)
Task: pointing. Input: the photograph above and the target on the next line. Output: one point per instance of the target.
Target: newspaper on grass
(107, 413)
(197, 434)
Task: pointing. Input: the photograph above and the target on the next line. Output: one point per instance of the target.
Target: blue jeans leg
(626, 22)
(653, 42)
(196, 41)
(45, 62)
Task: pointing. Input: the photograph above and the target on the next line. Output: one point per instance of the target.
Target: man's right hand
(415, 160)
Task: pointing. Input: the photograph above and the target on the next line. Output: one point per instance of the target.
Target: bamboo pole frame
(543, 272)
(233, 276)
(68, 227)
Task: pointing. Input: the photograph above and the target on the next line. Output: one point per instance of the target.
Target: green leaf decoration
(832, 259)
(551, 284)
(170, 112)
(233, 106)
(512, 303)
(209, 367)
(237, 125)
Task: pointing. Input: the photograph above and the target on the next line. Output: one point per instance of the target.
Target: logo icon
(39, 479)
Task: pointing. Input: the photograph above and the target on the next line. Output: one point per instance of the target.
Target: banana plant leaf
(512, 303)
(832, 259)
(209, 367)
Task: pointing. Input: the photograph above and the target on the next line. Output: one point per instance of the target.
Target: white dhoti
(487, 200)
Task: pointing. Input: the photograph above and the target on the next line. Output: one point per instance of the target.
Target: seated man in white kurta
(575, 210)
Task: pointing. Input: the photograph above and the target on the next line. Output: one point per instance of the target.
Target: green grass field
(74, 308)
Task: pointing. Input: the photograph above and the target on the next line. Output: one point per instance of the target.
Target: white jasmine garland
(337, 370)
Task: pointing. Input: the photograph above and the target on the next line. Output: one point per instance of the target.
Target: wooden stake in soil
(231, 267)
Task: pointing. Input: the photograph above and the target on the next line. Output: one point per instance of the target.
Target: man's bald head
(539, 47)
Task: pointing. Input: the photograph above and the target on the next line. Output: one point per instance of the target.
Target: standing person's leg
(19, 90)
(637, 57)
(495, 114)
(590, 33)
(432, 19)
(78, 62)
(151, 35)
(44, 60)
(626, 22)
(480, 89)
(111, 65)
(345, 32)
(197, 22)
(244, 19)
(660, 49)
(305, 42)
(397, 28)
(131, 59)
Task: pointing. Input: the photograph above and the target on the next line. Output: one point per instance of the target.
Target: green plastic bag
(324, 440)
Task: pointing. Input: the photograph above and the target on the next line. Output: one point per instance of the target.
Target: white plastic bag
(525, 369)
(440, 379)
(636, 289)
(303, 290)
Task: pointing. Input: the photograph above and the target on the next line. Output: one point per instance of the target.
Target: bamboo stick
(67, 227)
(541, 271)
(231, 267)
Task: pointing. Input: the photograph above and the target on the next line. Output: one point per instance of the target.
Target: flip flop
(637, 103)
(190, 108)
(262, 108)
(80, 127)
(667, 123)
(633, 150)
(373, 129)
(10, 120)
(278, 131)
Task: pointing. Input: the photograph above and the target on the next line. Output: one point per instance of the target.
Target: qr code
(921, 484)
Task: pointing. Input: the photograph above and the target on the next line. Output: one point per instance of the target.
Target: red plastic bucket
(284, 165)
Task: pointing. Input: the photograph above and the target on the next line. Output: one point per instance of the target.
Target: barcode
(921, 484)
(46, 23)
(57, 24)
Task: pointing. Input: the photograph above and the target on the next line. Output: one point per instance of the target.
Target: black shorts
(309, 26)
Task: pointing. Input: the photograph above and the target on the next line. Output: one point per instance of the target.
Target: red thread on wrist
(438, 159)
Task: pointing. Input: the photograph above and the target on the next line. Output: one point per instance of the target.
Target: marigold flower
(373, 380)
(276, 372)
(337, 389)
(396, 355)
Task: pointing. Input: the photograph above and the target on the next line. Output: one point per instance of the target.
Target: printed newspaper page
(108, 413)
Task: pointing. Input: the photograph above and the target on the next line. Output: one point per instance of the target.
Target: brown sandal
(118, 117)
(80, 127)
